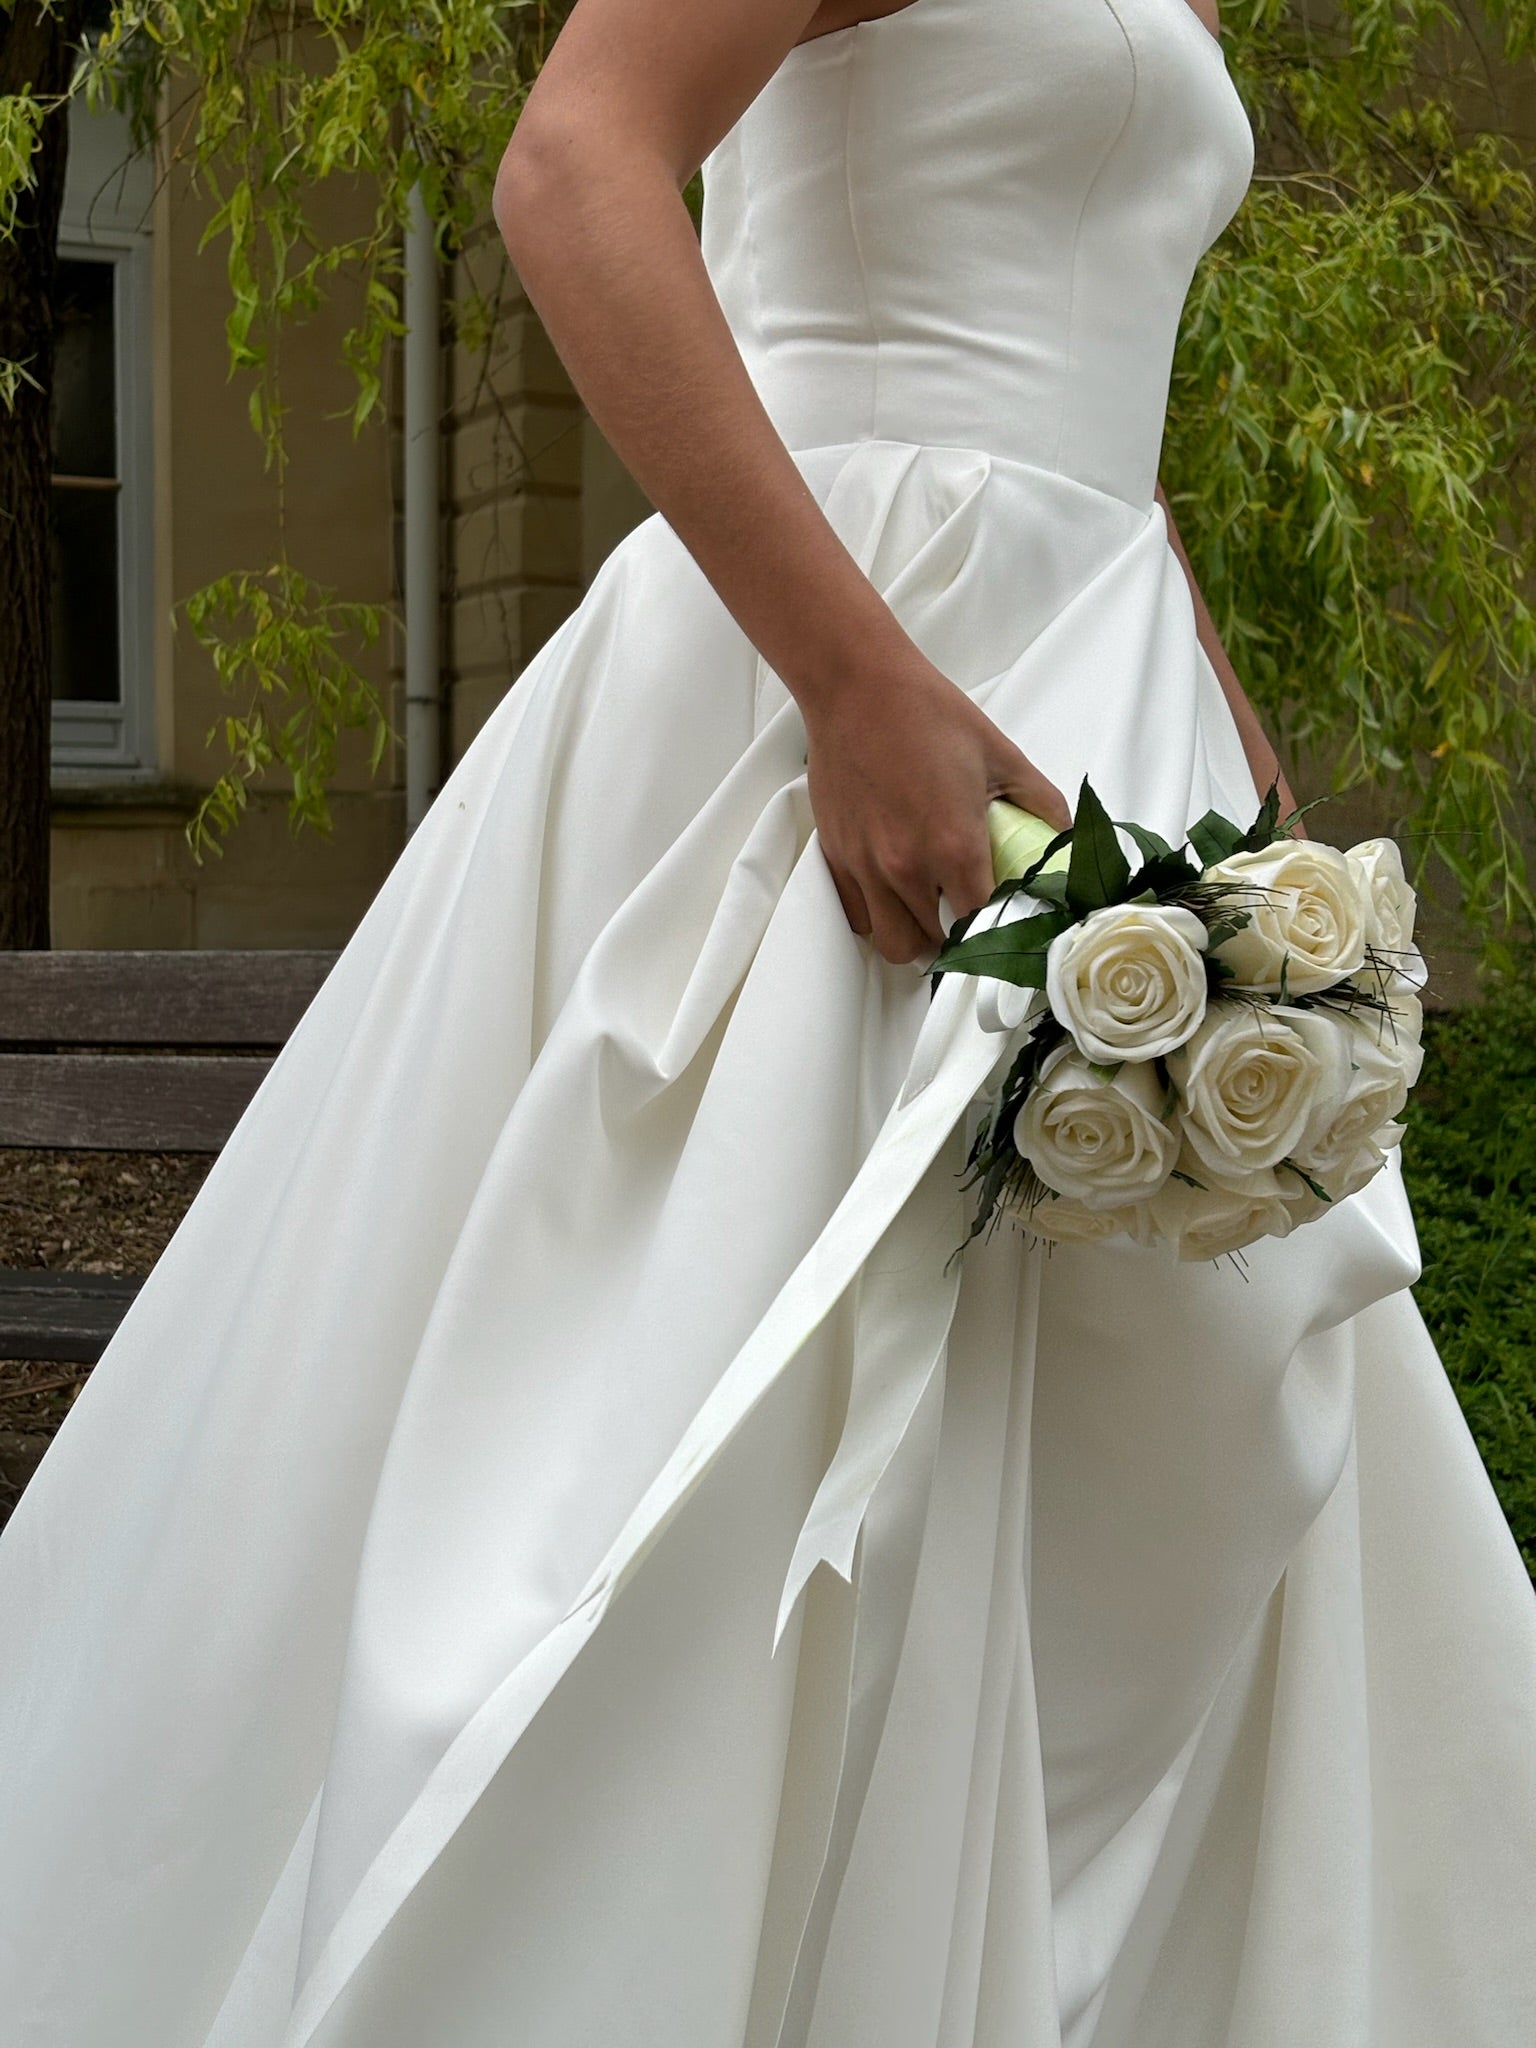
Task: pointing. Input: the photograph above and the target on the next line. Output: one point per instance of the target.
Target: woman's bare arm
(632, 97)
(1263, 761)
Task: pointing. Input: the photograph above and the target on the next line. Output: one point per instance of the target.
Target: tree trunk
(37, 54)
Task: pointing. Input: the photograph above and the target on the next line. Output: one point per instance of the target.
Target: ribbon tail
(906, 1302)
(888, 1551)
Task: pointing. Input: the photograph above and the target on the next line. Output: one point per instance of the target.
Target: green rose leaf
(1011, 952)
(1164, 877)
(1148, 844)
(1216, 838)
(1314, 1186)
(1265, 829)
(1051, 888)
(1099, 873)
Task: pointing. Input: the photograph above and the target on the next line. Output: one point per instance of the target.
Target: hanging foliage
(1350, 436)
(1349, 445)
(267, 106)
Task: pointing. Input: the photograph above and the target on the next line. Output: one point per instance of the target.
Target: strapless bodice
(975, 223)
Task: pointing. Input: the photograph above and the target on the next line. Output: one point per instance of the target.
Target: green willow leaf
(1348, 449)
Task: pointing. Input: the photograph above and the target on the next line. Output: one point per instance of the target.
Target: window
(87, 489)
(102, 509)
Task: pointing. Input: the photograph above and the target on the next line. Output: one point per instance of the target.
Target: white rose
(1306, 1204)
(1391, 974)
(1382, 1068)
(1397, 1026)
(1128, 982)
(1251, 1080)
(1390, 901)
(1209, 1221)
(1062, 1221)
(1102, 1141)
(1306, 909)
(1402, 1029)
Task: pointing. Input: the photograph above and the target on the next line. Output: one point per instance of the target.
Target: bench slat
(58, 1315)
(219, 997)
(124, 1101)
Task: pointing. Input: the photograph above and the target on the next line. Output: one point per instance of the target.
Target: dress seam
(853, 230)
(1077, 226)
(749, 224)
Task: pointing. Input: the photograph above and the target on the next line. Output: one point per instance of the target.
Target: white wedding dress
(389, 1639)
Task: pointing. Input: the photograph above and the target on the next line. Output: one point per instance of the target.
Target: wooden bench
(133, 1052)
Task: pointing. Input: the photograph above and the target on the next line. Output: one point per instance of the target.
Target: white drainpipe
(423, 485)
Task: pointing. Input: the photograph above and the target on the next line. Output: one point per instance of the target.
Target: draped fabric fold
(416, 1631)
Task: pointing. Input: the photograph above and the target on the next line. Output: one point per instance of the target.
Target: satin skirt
(559, 1553)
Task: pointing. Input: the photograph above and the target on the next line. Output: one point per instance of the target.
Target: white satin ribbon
(906, 1301)
(908, 1289)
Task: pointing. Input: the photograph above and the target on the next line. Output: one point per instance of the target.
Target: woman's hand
(902, 768)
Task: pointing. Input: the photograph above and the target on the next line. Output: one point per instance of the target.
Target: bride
(419, 1633)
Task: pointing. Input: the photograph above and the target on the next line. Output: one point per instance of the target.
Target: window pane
(84, 381)
(83, 520)
(84, 545)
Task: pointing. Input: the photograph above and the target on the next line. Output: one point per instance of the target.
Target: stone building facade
(532, 500)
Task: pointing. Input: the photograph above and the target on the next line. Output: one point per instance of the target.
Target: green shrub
(1470, 1158)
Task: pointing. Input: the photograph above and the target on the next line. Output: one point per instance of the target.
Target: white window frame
(105, 221)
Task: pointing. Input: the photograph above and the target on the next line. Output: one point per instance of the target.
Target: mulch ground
(91, 1212)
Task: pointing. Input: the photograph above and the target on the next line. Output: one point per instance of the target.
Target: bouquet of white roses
(1223, 1034)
